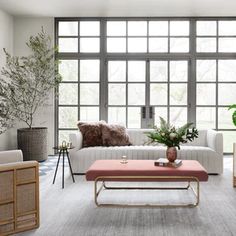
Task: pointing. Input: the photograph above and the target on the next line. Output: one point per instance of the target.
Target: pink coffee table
(145, 171)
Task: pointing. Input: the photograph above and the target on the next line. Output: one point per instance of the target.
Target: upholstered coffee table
(145, 171)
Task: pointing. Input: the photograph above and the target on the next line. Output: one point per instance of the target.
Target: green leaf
(232, 107)
(234, 118)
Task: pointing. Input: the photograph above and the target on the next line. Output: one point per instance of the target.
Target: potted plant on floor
(25, 86)
(234, 113)
(6, 117)
(172, 137)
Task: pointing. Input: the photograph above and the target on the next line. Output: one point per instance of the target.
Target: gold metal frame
(187, 179)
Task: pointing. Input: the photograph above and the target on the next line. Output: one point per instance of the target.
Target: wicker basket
(33, 143)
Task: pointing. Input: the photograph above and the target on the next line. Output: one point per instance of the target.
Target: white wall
(23, 28)
(6, 41)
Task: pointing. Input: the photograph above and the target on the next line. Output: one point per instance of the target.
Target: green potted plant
(172, 137)
(6, 117)
(234, 113)
(24, 88)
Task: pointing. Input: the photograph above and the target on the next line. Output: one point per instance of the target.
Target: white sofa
(11, 156)
(207, 149)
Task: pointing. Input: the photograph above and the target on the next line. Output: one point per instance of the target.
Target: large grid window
(131, 71)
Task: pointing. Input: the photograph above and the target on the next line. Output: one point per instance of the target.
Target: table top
(63, 148)
(145, 168)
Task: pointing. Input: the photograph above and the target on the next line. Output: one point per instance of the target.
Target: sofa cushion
(114, 135)
(91, 132)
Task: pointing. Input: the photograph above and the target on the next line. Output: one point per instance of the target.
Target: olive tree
(27, 81)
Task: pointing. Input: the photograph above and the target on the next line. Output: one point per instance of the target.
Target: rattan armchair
(19, 194)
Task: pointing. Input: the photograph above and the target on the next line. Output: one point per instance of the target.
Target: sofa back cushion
(114, 135)
(200, 141)
(139, 137)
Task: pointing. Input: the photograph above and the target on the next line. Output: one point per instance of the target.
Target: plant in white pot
(26, 83)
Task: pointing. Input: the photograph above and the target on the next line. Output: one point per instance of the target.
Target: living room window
(131, 71)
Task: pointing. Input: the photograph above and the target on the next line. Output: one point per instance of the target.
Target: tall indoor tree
(25, 86)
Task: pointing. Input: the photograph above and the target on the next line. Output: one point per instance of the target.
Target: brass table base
(188, 179)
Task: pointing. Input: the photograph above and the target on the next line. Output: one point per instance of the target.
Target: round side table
(63, 151)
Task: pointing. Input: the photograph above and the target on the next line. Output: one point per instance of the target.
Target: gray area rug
(71, 211)
(47, 166)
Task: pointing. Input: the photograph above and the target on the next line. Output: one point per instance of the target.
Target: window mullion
(192, 75)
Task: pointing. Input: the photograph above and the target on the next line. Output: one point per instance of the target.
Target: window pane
(64, 135)
(158, 28)
(136, 71)
(136, 94)
(158, 94)
(225, 118)
(178, 116)
(227, 95)
(137, 28)
(229, 139)
(68, 117)
(206, 28)
(89, 45)
(116, 71)
(89, 94)
(158, 71)
(89, 70)
(68, 94)
(137, 45)
(89, 114)
(206, 70)
(158, 44)
(160, 112)
(206, 94)
(116, 45)
(206, 118)
(116, 28)
(89, 28)
(68, 69)
(227, 70)
(117, 94)
(206, 44)
(134, 117)
(227, 44)
(117, 115)
(179, 45)
(68, 28)
(227, 28)
(68, 44)
(179, 28)
(178, 94)
(178, 71)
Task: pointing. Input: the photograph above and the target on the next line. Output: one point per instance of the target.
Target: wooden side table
(63, 151)
(234, 165)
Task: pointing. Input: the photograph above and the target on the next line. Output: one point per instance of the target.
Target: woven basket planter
(33, 143)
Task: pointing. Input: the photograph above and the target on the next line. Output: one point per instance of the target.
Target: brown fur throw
(114, 135)
(92, 133)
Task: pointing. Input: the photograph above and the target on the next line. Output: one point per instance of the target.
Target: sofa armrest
(76, 139)
(215, 141)
(11, 156)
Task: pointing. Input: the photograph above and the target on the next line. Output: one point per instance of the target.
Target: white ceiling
(69, 8)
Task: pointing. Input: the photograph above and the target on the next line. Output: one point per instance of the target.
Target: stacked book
(164, 162)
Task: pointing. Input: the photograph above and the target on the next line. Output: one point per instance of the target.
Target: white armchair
(11, 156)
